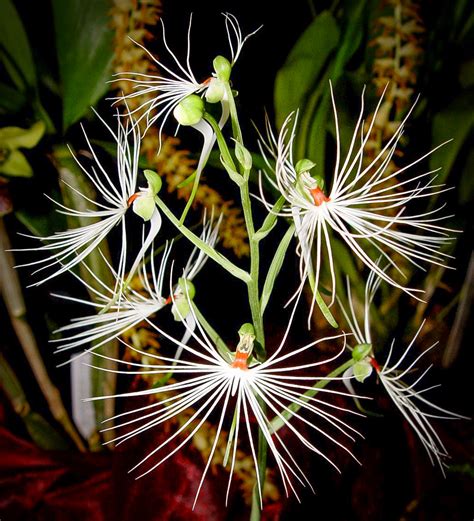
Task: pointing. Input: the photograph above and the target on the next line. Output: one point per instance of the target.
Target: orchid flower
(213, 380)
(409, 398)
(114, 315)
(118, 192)
(366, 205)
(176, 82)
(175, 91)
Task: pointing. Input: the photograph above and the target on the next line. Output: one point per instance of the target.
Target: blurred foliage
(49, 94)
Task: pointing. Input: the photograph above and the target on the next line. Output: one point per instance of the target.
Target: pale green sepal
(246, 329)
(189, 111)
(215, 91)
(154, 181)
(187, 287)
(144, 205)
(304, 165)
(362, 370)
(180, 308)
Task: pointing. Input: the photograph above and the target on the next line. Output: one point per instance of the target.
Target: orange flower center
(240, 361)
(318, 196)
(375, 364)
(132, 198)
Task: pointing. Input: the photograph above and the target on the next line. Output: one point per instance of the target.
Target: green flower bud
(304, 165)
(215, 91)
(180, 308)
(144, 204)
(362, 370)
(360, 351)
(184, 293)
(189, 111)
(187, 288)
(222, 68)
(244, 157)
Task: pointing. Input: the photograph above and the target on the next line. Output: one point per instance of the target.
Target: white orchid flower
(366, 206)
(117, 191)
(175, 91)
(409, 398)
(176, 82)
(212, 380)
(115, 314)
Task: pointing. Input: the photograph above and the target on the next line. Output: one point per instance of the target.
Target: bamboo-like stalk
(13, 297)
(41, 432)
(103, 382)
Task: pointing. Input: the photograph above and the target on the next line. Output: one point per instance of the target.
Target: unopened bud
(189, 111)
(244, 157)
(222, 67)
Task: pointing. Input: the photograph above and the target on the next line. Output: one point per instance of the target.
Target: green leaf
(348, 45)
(453, 122)
(307, 59)
(325, 310)
(270, 220)
(275, 267)
(11, 100)
(85, 52)
(16, 52)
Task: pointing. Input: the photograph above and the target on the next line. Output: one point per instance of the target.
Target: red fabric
(37, 485)
(65, 486)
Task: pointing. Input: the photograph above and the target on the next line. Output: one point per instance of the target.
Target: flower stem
(254, 302)
(197, 241)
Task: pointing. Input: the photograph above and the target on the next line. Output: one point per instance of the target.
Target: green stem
(237, 132)
(254, 301)
(279, 422)
(223, 148)
(197, 241)
(252, 284)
